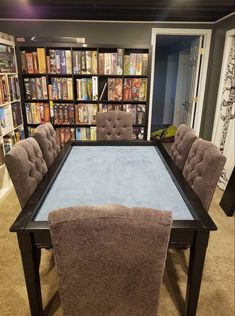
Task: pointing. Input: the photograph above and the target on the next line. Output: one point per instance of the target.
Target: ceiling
(129, 10)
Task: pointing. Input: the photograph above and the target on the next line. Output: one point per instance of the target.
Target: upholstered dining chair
(26, 167)
(114, 125)
(203, 168)
(45, 135)
(184, 138)
(110, 259)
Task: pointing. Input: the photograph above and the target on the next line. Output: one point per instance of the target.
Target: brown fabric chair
(114, 125)
(26, 167)
(45, 135)
(184, 138)
(110, 259)
(203, 168)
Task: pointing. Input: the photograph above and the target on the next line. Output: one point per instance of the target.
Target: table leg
(196, 264)
(30, 256)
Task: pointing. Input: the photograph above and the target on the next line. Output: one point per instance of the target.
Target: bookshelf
(67, 84)
(11, 127)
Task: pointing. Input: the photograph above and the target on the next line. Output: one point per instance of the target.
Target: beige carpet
(217, 291)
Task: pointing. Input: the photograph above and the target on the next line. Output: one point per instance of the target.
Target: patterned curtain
(225, 128)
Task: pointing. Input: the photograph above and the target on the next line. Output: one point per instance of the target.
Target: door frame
(204, 66)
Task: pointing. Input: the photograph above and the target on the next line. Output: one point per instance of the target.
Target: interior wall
(213, 76)
(96, 33)
(131, 34)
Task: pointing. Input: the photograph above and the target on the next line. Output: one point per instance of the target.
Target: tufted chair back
(110, 259)
(184, 138)
(203, 168)
(45, 135)
(26, 167)
(114, 125)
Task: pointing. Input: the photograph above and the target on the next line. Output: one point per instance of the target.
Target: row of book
(131, 89)
(35, 88)
(89, 133)
(7, 59)
(3, 90)
(16, 114)
(37, 113)
(111, 63)
(85, 113)
(87, 88)
(136, 64)
(135, 89)
(65, 134)
(63, 113)
(59, 61)
(61, 89)
(67, 114)
(33, 62)
(85, 62)
(14, 89)
(137, 111)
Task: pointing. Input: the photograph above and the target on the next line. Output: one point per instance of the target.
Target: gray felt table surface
(127, 175)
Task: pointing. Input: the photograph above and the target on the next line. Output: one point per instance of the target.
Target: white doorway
(184, 83)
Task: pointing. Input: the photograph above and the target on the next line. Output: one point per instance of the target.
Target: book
(41, 60)
(29, 60)
(144, 64)
(57, 61)
(94, 88)
(23, 62)
(132, 64)
(101, 64)
(94, 62)
(63, 69)
(140, 114)
(35, 62)
(68, 62)
(127, 89)
(118, 89)
(52, 62)
(138, 69)
(127, 65)
(119, 61)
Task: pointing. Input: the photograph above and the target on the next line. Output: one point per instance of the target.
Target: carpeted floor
(217, 291)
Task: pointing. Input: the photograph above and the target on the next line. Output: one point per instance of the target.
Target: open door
(193, 81)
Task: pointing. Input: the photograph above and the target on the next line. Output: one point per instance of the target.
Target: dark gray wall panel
(213, 76)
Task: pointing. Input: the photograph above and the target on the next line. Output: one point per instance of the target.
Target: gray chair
(184, 138)
(203, 168)
(45, 135)
(110, 259)
(26, 167)
(114, 125)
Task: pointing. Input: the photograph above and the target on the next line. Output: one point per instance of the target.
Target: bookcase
(11, 128)
(67, 84)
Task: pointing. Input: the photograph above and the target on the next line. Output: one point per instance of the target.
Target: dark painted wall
(130, 34)
(159, 87)
(95, 33)
(213, 76)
